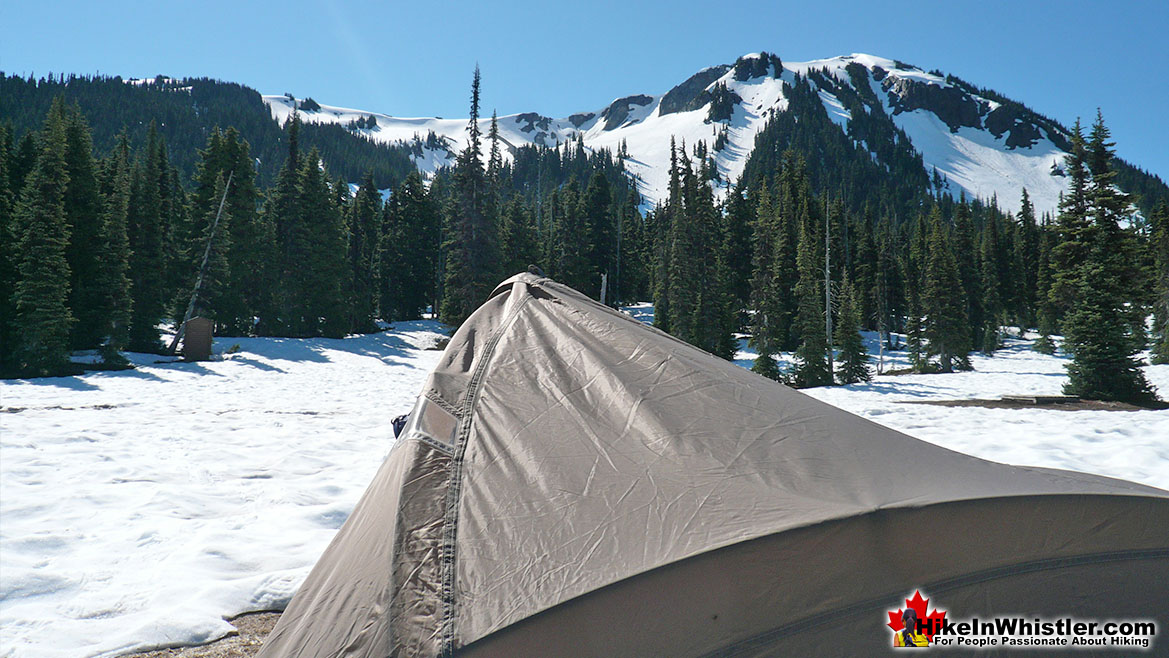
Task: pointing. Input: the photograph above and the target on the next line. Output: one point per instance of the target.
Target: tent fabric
(573, 482)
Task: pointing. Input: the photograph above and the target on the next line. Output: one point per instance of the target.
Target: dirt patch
(1082, 405)
(251, 629)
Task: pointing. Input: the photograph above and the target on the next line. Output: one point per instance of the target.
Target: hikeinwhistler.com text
(1021, 633)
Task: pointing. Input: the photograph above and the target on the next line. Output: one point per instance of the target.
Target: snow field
(139, 508)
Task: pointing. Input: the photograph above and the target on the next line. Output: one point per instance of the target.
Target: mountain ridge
(980, 143)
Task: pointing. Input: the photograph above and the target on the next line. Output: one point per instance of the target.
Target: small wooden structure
(197, 339)
(1041, 399)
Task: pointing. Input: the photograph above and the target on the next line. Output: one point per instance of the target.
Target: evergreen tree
(319, 238)
(282, 214)
(1025, 262)
(1045, 313)
(250, 241)
(945, 326)
(769, 319)
(1072, 226)
(740, 230)
(472, 247)
(114, 282)
(42, 324)
(992, 303)
(968, 258)
(83, 215)
(148, 234)
(1159, 245)
(364, 231)
(1098, 327)
(600, 245)
(852, 356)
(812, 367)
(517, 237)
(409, 251)
(8, 253)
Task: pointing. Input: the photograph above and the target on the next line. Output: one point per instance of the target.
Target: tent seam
(454, 490)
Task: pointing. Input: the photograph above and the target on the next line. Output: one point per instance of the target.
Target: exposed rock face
(619, 110)
(531, 121)
(757, 67)
(579, 120)
(953, 106)
(682, 98)
(1023, 132)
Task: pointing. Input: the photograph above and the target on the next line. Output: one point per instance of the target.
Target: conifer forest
(105, 227)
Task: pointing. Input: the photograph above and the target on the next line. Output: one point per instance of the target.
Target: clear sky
(1063, 59)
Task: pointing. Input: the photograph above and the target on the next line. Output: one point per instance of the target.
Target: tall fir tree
(852, 355)
(8, 253)
(364, 231)
(149, 239)
(83, 214)
(114, 281)
(1159, 245)
(409, 251)
(812, 366)
(944, 308)
(319, 239)
(517, 236)
(1098, 327)
(1025, 261)
(1072, 243)
(991, 287)
(472, 242)
(43, 321)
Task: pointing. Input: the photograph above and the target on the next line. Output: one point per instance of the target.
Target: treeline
(184, 112)
(572, 212)
(950, 278)
(98, 251)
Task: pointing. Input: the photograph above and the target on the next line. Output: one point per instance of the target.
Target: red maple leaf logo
(930, 622)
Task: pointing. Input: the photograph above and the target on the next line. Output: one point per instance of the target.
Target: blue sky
(1063, 59)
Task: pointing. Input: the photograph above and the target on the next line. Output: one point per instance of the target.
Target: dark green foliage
(1099, 328)
(42, 323)
(517, 237)
(84, 217)
(149, 232)
(114, 277)
(185, 112)
(472, 241)
(992, 303)
(1103, 365)
(944, 308)
(8, 253)
(852, 355)
(365, 230)
(701, 310)
(1159, 248)
(1071, 246)
(318, 247)
(409, 251)
(812, 367)
(770, 319)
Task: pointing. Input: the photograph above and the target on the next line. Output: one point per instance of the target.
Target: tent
(572, 482)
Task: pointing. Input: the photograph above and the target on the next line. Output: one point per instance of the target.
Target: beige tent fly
(572, 482)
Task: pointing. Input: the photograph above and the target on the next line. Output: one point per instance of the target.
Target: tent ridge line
(937, 587)
(455, 476)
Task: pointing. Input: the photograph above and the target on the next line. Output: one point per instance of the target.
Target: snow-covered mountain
(986, 147)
